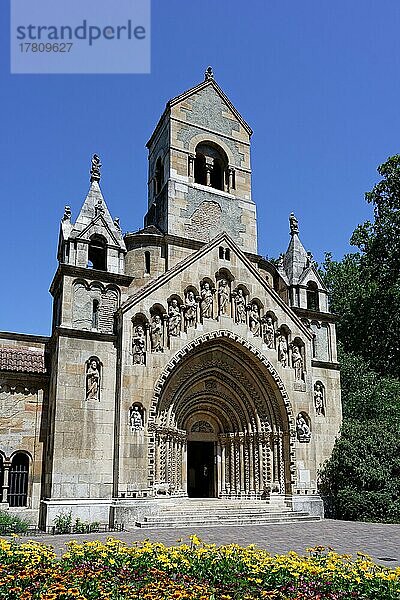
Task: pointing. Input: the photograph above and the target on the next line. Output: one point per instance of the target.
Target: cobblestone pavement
(378, 540)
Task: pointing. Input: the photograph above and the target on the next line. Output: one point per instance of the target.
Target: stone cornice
(322, 364)
(92, 274)
(24, 337)
(316, 315)
(83, 334)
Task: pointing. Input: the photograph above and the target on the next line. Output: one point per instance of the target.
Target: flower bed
(195, 571)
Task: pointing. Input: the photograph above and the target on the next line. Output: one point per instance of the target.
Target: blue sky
(318, 82)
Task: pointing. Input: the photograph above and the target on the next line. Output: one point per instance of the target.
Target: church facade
(181, 363)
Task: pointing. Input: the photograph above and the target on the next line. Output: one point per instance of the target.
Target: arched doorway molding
(225, 375)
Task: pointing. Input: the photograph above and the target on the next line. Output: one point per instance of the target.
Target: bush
(10, 523)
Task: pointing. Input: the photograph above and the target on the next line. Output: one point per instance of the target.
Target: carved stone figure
(303, 430)
(190, 309)
(93, 381)
(156, 334)
(139, 346)
(269, 333)
(297, 361)
(206, 302)
(67, 214)
(174, 318)
(294, 224)
(283, 350)
(319, 399)
(254, 319)
(95, 173)
(135, 418)
(223, 297)
(240, 306)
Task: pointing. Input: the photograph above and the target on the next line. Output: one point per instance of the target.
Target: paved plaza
(380, 541)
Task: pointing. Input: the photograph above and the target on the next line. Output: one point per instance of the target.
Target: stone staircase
(213, 512)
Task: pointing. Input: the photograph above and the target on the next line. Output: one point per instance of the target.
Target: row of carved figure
(185, 316)
(136, 416)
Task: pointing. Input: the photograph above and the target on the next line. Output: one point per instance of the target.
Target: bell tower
(199, 181)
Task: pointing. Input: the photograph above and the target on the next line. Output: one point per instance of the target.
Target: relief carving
(139, 345)
(283, 350)
(174, 318)
(302, 428)
(136, 417)
(93, 379)
(190, 309)
(254, 319)
(206, 302)
(269, 333)
(319, 399)
(240, 306)
(298, 364)
(223, 297)
(156, 334)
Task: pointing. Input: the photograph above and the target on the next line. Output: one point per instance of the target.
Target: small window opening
(147, 263)
(312, 296)
(159, 177)
(221, 252)
(95, 314)
(18, 480)
(97, 254)
(227, 254)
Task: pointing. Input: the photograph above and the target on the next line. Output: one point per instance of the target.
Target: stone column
(191, 159)
(6, 467)
(184, 466)
(223, 466)
(219, 469)
(231, 174)
(209, 168)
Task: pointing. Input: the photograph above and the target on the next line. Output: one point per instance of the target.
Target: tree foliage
(365, 286)
(362, 477)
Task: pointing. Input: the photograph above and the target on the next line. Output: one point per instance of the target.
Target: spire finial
(95, 170)
(294, 224)
(208, 74)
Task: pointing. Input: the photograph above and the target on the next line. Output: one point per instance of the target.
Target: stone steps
(211, 521)
(214, 513)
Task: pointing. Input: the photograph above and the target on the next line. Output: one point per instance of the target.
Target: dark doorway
(200, 469)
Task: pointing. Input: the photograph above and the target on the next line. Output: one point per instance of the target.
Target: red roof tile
(26, 360)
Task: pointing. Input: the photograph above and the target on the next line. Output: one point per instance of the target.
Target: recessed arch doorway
(221, 424)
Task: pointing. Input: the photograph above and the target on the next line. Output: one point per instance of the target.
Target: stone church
(181, 364)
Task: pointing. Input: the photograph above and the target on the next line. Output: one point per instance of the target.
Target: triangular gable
(159, 282)
(315, 277)
(194, 90)
(84, 232)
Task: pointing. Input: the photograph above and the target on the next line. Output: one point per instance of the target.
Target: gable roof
(194, 90)
(223, 237)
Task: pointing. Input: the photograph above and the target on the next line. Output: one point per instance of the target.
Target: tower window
(147, 262)
(95, 314)
(158, 177)
(210, 165)
(312, 296)
(97, 253)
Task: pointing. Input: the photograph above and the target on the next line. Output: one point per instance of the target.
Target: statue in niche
(297, 361)
(269, 333)
(283, 350)
(174, 318)
(190, 309)
(254, 319)
(156, 334)
(93, 380)
(139, 345)
(319, 399)
(240, 306)
(303, 430)
(223, 297)
(206, 302)
(135, 418)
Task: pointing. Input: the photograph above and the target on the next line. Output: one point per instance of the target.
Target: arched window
(97, 253)
(95, 314)
(158, 176)
(210, 165)
(18, 480)
(147, 262)
(312, 296)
